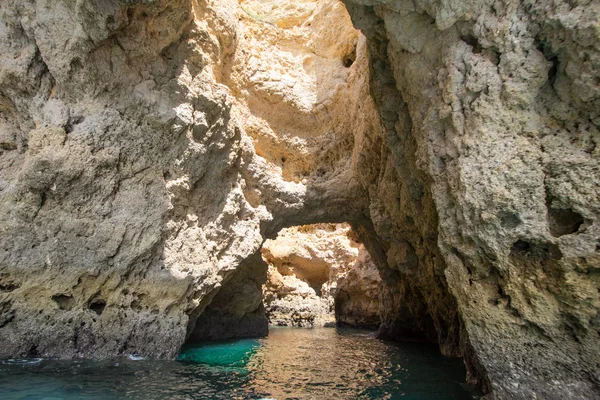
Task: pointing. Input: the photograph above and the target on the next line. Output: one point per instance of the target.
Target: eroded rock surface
(491, 113)
(319, 274)
(148, 148)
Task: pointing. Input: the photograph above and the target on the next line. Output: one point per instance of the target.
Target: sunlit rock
(319, 274)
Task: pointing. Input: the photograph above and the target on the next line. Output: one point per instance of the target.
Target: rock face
(318, 274)
(148, 149)
(491, 113)
(357, 293)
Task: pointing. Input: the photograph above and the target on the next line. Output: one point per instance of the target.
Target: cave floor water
(291, 363)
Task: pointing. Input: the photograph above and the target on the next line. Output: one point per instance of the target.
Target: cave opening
(309, 276)
(318, 115)
(312, 296)
(320, 275)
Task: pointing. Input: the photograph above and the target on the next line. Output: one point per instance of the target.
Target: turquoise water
(231, 353)
(289, 364)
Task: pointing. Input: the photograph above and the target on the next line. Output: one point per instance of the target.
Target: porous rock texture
(148, 148)
(491, 112)
(319, 274)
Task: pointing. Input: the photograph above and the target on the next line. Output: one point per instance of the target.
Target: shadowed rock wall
(491, 113)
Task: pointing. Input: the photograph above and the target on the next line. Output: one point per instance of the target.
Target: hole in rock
(520, 247)
(349, 59)
(473, 42)
(235, 310)
(33, 352)
(535, 251)
(320, 275)
(64, 302)
(98, 306)
(76, 66)
(563, 221)
(546, 49)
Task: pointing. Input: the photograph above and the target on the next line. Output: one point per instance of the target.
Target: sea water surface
(290, 363)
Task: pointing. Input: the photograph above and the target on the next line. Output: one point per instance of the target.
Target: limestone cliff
(319, 274)
(491, 114)
(148, 148)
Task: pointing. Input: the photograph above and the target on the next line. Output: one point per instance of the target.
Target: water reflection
(231, 353)
(289, 364)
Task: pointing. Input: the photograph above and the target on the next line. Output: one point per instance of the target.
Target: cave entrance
(317, 275)
(320, 275)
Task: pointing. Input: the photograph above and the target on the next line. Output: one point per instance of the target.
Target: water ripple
(289, 364)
